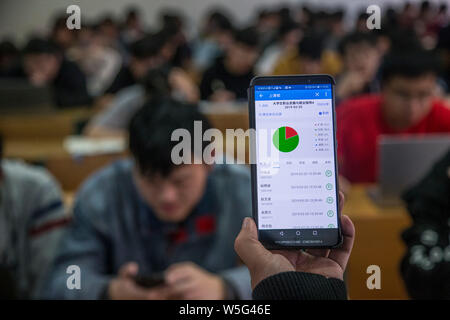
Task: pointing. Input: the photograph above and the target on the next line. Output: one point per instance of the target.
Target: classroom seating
(39, 139)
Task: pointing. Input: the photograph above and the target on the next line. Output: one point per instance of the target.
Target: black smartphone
(295, 190)
(150, 281)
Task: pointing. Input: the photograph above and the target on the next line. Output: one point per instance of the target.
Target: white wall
(20, 17)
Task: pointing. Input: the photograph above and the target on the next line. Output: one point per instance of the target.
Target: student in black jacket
(45, 65)
(229, 77)
(314, 274)
(426, 265)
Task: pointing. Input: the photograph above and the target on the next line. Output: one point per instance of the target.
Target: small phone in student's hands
(150, 281)
(295, 191)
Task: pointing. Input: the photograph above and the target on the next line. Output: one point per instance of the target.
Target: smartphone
(150, 281)
(293, 161)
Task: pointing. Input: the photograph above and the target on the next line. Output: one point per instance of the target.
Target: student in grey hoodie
(32, 221)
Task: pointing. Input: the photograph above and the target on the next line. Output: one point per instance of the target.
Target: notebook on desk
(403, 162)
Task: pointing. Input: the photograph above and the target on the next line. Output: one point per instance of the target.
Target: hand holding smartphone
(294, 170)
(150, 281)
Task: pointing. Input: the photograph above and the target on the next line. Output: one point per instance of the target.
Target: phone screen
(296, 178)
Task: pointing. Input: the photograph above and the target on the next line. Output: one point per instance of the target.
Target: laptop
(403, 161)
(18, 96)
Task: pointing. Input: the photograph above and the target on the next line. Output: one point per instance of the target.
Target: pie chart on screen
(285, 139)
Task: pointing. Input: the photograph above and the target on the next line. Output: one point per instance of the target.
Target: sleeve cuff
(300, 286)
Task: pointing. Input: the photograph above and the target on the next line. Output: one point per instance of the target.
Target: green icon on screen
(328, 173)
(330, 213)
(329, 200)
(329, 186)
(285, 139)
(331, 225)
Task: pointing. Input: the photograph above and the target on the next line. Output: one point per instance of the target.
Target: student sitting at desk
(158, 83)
(406, 105)
(147, 215)
(45, 65)
(144, 55)
(229, 77)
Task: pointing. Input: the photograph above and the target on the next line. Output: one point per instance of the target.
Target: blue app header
(292, 94)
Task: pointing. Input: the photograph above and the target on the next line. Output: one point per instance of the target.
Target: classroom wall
(18, 18)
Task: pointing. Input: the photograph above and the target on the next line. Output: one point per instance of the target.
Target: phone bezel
(286, 80)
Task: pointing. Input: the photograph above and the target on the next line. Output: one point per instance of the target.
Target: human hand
(181, 82)
(123, 287)
(263, 263)
(349, 84)
(186, 280)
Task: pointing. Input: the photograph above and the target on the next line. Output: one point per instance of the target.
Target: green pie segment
(285, 139)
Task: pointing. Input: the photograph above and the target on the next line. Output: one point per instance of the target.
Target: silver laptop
(403, 162)
(18, 95)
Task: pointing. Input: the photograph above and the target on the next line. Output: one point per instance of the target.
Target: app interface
(296, 178)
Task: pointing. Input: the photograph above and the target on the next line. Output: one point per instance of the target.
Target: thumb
(248, 247)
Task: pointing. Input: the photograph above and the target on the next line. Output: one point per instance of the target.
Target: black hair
(357, 38)
(338, 15)
(1, 148)
(284, 13)
(411, 64)
(148, 46)
(59, 22)
(425, 5)
(107, 20)
(132, 12)
(287, 26)
(363, 16)
(171, 19)
(404, 41)
(311, 46)
(7, 48)
(247, 36)
(156, 83)
(219, 21)
(390, 19)
(151, 129)
(41, 46)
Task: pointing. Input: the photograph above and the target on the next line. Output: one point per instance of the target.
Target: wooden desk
(54, 125)
(377, 242)
(70, 171)
(225, 121)
(34, 149)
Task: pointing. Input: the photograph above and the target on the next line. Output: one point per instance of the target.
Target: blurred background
(67, 96)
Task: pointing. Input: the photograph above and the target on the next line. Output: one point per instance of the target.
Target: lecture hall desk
(377, 242)
(38, 138)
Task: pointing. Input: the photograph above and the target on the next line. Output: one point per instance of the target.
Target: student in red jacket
(406, 105)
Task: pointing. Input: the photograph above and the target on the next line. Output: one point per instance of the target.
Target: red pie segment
(290, 132)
